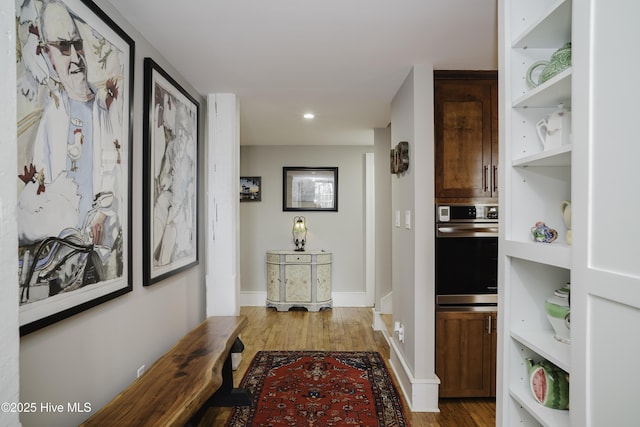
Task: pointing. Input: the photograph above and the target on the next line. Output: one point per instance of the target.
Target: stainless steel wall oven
(466, 255)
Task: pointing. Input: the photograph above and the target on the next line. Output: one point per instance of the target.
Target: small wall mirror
(309, 189)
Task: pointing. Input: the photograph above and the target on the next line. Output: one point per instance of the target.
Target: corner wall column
(223, 206)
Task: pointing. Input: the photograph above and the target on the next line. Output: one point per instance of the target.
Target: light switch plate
(397, 218)
(407, 219)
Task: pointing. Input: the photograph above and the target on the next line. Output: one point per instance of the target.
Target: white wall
(264, 225)
(413, 248)
(382, 138)
(93, 355)
(8, 228)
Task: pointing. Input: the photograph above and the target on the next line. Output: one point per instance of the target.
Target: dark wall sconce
(400, 158)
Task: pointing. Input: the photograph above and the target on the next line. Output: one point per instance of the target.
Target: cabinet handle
(485, 178)
(495, 178)
(490, 326)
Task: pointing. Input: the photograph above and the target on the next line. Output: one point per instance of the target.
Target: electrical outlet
(398, 328)
(141, 370)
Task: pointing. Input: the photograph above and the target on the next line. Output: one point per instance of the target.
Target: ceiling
(342, 60)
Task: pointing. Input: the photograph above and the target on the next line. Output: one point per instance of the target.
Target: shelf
(556, 254)
(545, 416)
(555, 157)
(543, 343)
(551, 93)
(554, 28)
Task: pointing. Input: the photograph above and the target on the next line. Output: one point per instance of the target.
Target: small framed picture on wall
(250, 189)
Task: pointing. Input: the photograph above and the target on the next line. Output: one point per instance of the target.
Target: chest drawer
(297, 258)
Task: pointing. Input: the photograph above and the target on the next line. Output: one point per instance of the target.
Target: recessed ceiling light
(308, 116)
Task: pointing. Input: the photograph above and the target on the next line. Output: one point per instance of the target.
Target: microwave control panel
(467, 213)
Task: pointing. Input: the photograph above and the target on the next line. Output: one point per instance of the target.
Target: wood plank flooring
(340, 329)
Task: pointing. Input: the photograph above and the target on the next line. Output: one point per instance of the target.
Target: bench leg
(226, 395)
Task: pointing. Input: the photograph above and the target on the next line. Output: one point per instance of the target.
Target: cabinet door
(298, 283)
(465, 360)
(323, 271)
(494, 352)
(273, 282)
(466, 143)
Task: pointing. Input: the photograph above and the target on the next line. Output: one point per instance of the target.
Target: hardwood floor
(340, 329)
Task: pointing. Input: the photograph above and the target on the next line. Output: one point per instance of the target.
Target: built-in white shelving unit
(598, 171)
(535, 182)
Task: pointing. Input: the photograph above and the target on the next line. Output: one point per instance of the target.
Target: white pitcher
(565, 210)
(554, 130)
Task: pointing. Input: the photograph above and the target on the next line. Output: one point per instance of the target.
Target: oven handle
(467, 230)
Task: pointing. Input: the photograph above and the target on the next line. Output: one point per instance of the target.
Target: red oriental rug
(315, 388)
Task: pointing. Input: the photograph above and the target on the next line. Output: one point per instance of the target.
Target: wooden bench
(176, 390)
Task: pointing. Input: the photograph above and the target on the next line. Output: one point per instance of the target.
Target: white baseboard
(350, 299)
(253, 298)
(421, 394)
(236, 359)
(378, 324)
(340, 299)
(386, 304)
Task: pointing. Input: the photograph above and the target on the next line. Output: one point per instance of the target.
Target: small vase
(548, 384)
(559, 313)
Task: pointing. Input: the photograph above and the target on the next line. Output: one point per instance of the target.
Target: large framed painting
(170, 206)
(75, 87)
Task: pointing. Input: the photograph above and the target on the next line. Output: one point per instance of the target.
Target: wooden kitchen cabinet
(466, 353)
(466, 135)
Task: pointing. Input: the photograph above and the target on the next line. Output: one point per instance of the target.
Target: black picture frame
(79, 266)
(250, 189)
(170, 176)
(309, 189)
